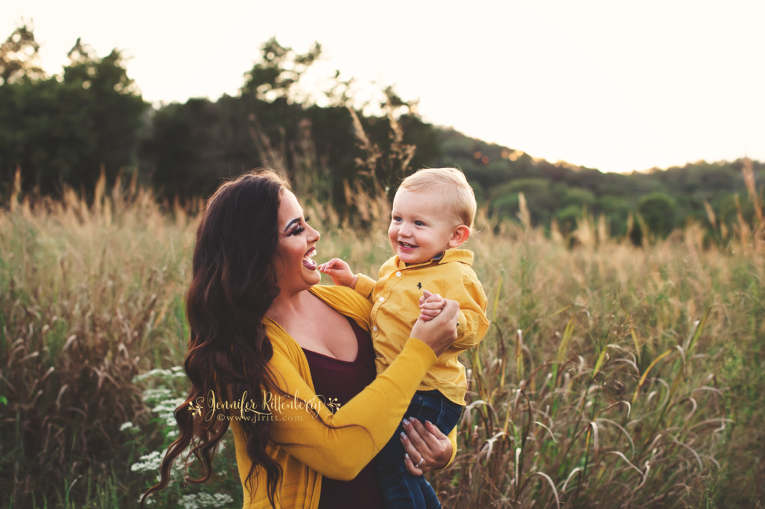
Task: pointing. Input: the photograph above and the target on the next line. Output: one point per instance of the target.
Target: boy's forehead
(416, 199)
(424, 202)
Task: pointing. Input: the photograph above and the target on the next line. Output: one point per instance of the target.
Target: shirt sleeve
(472, 323)
(364, 286)
(359, 429)
(452, 436)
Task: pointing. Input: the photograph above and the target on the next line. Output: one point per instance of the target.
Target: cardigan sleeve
(347, 440)
(348, 302)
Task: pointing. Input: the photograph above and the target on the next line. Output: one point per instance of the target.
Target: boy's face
(421, 226)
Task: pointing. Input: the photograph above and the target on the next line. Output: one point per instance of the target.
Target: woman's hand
(426, 442)
(440, 332)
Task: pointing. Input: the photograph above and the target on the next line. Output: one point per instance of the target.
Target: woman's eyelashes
(299, 230)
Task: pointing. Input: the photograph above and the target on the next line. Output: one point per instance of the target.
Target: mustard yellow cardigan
(315, 449)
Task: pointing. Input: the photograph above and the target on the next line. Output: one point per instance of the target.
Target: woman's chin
(311, 276)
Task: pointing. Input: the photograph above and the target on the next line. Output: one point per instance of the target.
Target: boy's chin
(410, 258)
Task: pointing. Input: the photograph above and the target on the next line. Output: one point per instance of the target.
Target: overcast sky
(613, 85)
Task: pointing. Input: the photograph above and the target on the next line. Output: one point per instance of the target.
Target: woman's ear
(459, 236)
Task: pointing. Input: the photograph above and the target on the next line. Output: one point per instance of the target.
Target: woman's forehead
(289, 208)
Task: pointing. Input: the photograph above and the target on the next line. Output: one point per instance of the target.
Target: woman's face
(295, 268)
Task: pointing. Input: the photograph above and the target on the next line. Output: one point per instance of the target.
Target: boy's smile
(421, 226)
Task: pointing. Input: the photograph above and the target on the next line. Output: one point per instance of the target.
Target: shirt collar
(450, 255)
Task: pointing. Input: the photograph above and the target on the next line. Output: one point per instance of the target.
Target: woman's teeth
(307, 262)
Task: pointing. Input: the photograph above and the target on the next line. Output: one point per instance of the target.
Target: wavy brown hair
(233, 284)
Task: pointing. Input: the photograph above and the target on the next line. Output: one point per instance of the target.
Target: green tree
(658, 211)
(66, 127)
(279, 69)
(19, 56)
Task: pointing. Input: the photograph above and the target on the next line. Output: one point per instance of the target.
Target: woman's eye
(307, 219)
(297, 231)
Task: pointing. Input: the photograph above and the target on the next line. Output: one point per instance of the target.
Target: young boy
(432, 215)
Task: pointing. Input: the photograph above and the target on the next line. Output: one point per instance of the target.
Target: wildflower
(149, 462)
(200, 500)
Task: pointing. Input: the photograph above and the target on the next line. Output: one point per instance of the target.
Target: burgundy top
(333, 378)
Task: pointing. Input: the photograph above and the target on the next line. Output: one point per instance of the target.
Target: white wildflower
(149, 501)
(200, 500)
(169, 405)
(153, 372)
(127, 425)
(149, 462)
(158, 394)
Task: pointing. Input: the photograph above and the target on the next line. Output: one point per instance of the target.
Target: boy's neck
(437, 257)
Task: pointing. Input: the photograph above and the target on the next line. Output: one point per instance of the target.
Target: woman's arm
(365, 422)
(361, 427)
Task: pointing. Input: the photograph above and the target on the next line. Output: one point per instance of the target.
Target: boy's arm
(364, 286)
(472, 323)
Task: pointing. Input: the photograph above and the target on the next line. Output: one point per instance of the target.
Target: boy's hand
(340, 272)
(431, 305)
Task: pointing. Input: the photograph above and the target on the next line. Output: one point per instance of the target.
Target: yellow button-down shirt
(395, 308)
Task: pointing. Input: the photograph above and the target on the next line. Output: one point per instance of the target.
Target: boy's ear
(459, 236)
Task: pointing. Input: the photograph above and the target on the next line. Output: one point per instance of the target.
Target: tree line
(69, 127)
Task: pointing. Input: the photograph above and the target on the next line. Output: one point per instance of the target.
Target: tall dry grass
(612, 375)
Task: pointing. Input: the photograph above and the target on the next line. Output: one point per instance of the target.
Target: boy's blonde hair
(451, 182)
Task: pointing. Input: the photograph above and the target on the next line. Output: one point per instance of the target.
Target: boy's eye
(419, 223)
(396, 218)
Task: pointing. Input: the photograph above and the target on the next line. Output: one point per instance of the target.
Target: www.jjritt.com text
(259, 418)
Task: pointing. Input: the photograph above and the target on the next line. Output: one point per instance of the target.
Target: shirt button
(382, 299)
(398, 274)
(374, 329)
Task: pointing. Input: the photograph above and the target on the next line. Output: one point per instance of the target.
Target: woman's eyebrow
(296, 220)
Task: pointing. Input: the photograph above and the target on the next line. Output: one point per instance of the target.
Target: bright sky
(606, 84)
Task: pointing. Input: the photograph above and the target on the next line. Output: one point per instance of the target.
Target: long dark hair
(233, 284)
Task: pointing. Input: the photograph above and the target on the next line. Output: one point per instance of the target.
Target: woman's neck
(288, 305)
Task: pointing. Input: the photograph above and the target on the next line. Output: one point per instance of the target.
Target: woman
(256, 322)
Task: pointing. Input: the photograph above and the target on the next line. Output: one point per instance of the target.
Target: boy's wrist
(353, 282)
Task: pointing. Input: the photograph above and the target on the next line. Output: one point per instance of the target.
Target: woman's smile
(308, 263)
(297, 246)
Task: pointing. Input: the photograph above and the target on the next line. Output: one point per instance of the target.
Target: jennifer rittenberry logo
(271, 408)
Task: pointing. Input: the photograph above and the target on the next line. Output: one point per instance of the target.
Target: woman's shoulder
(340, 297)
(345, 301)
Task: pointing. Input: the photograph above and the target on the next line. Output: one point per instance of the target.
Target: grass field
(612, 375)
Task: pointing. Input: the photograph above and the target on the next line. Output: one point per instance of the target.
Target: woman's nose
(316, 235)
